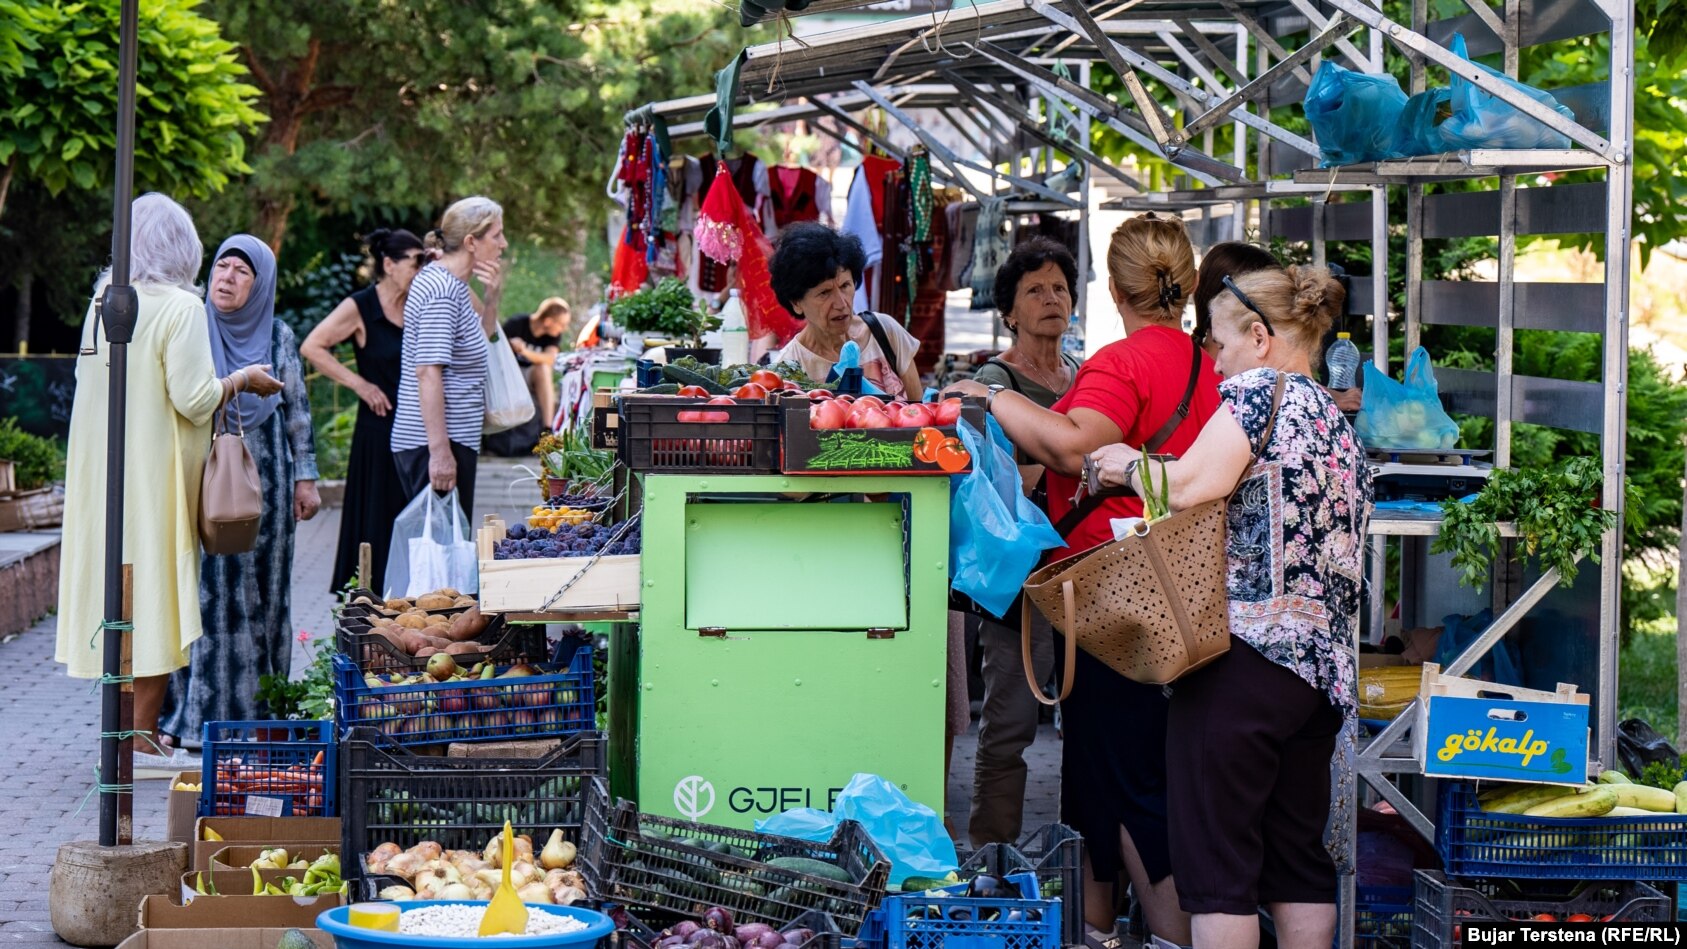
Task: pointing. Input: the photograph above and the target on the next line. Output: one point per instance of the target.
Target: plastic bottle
(734, 334)
(1072, 341)
(1343, 362)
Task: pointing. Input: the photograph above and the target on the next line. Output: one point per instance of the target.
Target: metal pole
(118, 313)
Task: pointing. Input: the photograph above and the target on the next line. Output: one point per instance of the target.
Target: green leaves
(667, 310)
(60, 62)
(1554, 511)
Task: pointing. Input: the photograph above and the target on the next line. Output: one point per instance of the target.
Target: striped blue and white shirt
(441, 328)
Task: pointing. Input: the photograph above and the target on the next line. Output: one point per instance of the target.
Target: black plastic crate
(1055, 853)
(742, 438)
(663, 866)
(394, 795)
(643, 931)
(503, 644)
(1445, 905)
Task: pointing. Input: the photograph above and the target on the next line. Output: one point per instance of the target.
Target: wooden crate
(610, 584)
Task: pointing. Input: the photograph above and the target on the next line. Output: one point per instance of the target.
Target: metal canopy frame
(994, 72)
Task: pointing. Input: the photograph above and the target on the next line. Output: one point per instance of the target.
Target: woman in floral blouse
(1251, 736)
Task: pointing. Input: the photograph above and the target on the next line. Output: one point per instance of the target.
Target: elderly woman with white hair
(173, 390)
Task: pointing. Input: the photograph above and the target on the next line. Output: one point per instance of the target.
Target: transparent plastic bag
(1481, 121)
(996, 533)
(1405, 414)
(508, 403)
(431, 548)
(1419, 131)
(1353, 114)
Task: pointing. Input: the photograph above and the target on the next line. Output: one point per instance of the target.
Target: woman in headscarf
(245, 599)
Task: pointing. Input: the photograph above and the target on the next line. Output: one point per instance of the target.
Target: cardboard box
(1372, 660)
(32, 510)
(610, 583)
(240, 857)
(183, 809)
(270, 831)
(821, 452)
(1467, 728)
(237, 884)
(235, 912)
(504, 749)
(219, 938)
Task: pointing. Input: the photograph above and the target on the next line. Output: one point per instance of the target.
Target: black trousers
(412, 467)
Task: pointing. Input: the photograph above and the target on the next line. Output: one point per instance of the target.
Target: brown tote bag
(231, 497)
(1153, 606)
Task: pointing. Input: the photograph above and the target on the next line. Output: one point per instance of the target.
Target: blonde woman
(1155, 386)
(442, 384)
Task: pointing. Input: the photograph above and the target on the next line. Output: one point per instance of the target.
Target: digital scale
(1427, 475)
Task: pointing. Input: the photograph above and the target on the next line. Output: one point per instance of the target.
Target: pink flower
(304, 636)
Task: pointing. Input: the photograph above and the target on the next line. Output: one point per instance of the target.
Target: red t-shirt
(1137, 383)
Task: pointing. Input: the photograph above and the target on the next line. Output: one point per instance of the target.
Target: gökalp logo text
(694, 797)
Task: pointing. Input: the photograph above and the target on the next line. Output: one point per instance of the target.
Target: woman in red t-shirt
(1113, 769)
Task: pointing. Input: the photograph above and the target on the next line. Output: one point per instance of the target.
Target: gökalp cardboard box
(1467, 728)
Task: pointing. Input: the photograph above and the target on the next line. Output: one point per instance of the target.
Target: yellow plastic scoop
(506, 913)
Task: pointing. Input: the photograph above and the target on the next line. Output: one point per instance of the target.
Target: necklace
(1056, 376)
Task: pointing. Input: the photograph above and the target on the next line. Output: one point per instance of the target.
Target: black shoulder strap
(1182, 411)
(1013, 377)
(882, 338)
(1092, 502)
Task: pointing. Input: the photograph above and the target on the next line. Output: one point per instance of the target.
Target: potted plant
(666, 311)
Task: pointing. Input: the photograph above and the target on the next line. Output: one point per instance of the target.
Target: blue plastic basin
(356, 937)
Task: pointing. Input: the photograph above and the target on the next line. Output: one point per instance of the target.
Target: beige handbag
(1153, 606)
(231, 497)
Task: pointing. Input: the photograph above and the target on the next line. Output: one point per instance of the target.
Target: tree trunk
(6, 185)
(1681, 628)
(26, 294)
(289, 97)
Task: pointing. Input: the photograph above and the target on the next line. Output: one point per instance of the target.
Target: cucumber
(1525, 797)
(1595, 803)
(666, 388)
(686, 377)
(916, 884)
(1645, 797)
(1681, 798)
(811, 867)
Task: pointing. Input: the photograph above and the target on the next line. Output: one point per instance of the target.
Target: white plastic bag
(508, 403)
(431, 548)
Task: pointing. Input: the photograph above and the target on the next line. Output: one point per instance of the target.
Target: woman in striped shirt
(442, 387)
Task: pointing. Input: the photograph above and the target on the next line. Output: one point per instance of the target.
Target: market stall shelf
(575, 585)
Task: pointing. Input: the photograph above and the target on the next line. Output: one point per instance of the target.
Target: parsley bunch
(1552, 507)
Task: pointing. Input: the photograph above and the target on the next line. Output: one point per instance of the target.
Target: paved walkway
(51, 723)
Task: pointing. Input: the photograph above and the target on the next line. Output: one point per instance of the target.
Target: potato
(396, 641)
(434, 601)
(397, 606)
(413, 621)
(426, 651)
(465, 649)
(415, 642)
(363, 600)
(465, 601)
(448, 591)
(467, 625)
(438, 619)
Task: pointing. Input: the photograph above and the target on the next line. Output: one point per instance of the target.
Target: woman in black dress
(373, 319)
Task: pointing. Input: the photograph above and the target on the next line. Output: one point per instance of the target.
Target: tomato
(821, 395)
(846, 399)
(1578, 918)
(913, 415)
(750, 390)
(867, 415)
(926, 443)
(827, 415)
(952, 456)
(872, 400)
(696, 416)
(947, 412)
(1544, 918)
(792, 387)
(723, 400)
(767, 379)
(694, 392)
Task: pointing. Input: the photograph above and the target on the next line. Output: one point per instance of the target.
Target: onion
(750, 931)
(718, 918)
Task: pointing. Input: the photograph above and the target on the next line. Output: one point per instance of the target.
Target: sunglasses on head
(1230, 285)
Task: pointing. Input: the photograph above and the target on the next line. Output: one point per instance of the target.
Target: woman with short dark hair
(373, 319)
(1035, 288)
(814, 273)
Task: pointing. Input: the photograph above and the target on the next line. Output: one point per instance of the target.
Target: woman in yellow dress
(173, 390)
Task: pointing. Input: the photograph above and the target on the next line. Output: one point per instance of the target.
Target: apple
(913, 415)
(827, 415)
(947, 412)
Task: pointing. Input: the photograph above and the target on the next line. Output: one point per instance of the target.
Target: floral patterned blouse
(1297, 532)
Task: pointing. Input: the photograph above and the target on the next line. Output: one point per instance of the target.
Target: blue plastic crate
(270, 768)
(560, 701)
(1383, 917)
(1476, 843)
(954, 921)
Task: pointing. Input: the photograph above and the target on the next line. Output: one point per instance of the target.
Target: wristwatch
(990, 400)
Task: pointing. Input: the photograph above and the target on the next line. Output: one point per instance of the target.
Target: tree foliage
(430, 100)
(57, 113)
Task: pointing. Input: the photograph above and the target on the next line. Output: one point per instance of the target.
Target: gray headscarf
(245, 337)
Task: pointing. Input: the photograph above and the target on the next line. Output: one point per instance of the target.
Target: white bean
(461, 920)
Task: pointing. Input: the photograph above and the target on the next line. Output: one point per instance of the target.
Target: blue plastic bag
(1419, 132)
(911, 835)
(849, 357)
(1406, 415)
(1481, 121)
(996, 534)
(1501, 665)
(1353, 114)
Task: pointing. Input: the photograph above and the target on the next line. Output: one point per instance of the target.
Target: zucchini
(917, 884)
(811, 867)
(1645, 797)
(1613, 777)
(685, 377)
(666, 388)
